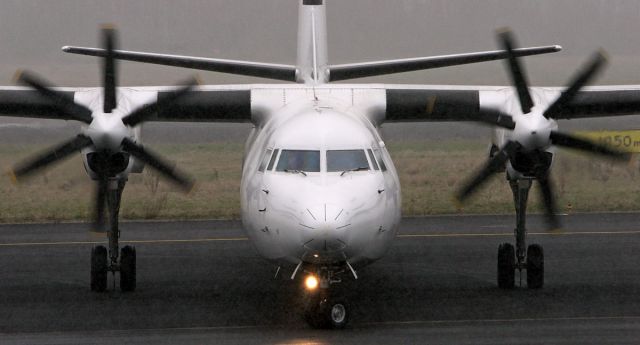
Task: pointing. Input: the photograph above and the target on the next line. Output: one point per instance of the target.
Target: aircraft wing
(24, 102)
(596, 103)
(228, 104)
(206, 103)
(238, 103)
(463, 103)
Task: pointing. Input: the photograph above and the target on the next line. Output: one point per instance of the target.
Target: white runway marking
(573, 318)
(64, 243)
(236, 239)
(550, 233)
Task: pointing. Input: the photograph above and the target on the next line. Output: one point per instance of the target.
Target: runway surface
(202, 282)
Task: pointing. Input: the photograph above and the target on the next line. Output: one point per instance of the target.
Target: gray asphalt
(201, 282)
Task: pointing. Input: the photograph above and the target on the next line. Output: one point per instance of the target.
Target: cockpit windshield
(346, 160)
(299, 161)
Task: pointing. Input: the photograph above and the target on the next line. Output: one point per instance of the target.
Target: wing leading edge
(403, 103)
(200, 105)
(442, 104)
(22, 102)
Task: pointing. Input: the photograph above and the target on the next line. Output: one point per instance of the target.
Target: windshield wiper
(295, 172)
(354, 169)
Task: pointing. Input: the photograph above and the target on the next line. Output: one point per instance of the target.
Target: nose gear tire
(323, 312)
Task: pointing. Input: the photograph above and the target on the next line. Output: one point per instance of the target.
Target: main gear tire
(99, 269)
(128, 269)
(506, 266)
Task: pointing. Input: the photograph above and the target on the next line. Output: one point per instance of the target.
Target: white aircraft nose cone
(324, 227)
(107, 131)
(532, 131)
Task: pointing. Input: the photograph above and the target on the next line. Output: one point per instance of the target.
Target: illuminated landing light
(311, 283)
(315, 255)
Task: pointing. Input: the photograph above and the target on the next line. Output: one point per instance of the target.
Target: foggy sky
(32, 32)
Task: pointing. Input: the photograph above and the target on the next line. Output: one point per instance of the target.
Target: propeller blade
(102, 186)
(60, 100)
(582, 78)
(495, 118)
(55, 154)
(494, 164)
(109, 69)
(572, 142)
(158, 163)
(546, 190)
(141, 114)
(517, 73)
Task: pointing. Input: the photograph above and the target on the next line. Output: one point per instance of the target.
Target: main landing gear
(103, 261)
(324, 306)
(530, 259)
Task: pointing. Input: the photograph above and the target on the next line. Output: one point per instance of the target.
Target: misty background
(33, 31)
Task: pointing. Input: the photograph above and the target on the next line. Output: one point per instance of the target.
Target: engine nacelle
(530, 164)
(117, 164)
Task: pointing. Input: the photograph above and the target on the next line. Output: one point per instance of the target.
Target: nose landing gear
(324, 306)
(324, 310)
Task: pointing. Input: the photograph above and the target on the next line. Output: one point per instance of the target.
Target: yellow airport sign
(628, 141)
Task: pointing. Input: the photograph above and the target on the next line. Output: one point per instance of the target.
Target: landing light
(311, 283)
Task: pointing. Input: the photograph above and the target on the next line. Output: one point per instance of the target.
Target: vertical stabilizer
(312, 65)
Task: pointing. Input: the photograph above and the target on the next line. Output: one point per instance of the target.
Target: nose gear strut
(326, 307)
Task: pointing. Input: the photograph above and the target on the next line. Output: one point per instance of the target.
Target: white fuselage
(318, 185)
(319, 216)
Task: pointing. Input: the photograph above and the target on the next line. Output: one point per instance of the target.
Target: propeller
(517, 74)
(109, 81)
(535, 131)
(108, 135)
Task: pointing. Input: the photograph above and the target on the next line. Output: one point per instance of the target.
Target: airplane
(319, 191)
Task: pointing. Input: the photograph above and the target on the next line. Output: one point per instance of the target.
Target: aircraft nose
(324, 227)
